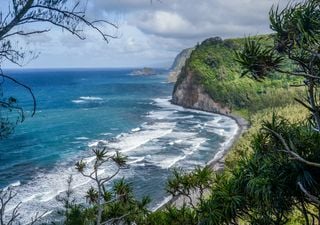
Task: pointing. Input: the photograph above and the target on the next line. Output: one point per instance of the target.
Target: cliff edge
(210, 80)
(178, 63)
(189, 92)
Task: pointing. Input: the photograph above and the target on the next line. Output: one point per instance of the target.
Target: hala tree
(116, 206)
(296, 40)
(98, 195)
(281, 174)
(191, 185)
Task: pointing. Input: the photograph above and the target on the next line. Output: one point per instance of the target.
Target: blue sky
(150, 34)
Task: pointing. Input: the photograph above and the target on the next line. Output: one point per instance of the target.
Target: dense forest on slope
(213, 62)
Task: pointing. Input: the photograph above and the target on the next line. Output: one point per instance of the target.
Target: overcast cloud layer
(151, 34)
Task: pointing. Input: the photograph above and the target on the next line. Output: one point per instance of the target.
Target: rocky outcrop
(178, 63)
(189, 93)
(146, 71)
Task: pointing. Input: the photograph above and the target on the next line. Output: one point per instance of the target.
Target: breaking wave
(170, 136)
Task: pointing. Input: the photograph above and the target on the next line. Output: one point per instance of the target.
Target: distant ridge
(178, 63)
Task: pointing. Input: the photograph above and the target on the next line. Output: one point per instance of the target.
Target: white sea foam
(106, 134)
(96, 143)
(181, 117)
(168, 162)
(144, 146)
(39, 194)
(15, 184)
(160, 115)
(163, 202)
(129, 142)
(12, 185)
(226, 144)
(90, 98)
(82, 138)
(136, 129)
(86, 99)
(78, 101)
(134, 160)
(165, 103)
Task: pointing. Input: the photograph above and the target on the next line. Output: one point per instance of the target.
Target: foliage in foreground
(277, 175)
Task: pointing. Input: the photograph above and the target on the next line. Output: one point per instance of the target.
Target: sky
(150, 33)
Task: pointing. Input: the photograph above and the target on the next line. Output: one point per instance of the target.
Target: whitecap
(90, 98)
(167, 162)
(134, 160)
(78, 101)
(129, 142)
(136, 129)
(12, 185)
(162, 203)
(160, 115)
(81, 138)
(97, 143)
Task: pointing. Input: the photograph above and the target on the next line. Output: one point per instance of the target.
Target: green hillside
(214, 63)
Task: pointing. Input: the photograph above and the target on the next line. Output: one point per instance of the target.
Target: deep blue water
(78, 108)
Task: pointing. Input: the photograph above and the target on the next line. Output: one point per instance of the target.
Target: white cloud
(199, 19)
(152, 34)
(163, 23)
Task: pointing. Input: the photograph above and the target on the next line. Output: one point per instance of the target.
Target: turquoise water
(80, 109)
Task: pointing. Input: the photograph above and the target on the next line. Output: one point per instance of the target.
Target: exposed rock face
(189, 93)
(178, 63)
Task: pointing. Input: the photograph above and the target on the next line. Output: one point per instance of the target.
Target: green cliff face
(212, 72)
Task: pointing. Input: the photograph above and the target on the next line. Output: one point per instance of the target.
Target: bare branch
(37, 217)
(310, 196)
(113, 220)
(289, 151)
(306, 75)
(26, 87)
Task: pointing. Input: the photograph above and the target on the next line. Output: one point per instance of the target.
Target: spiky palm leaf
(258, 61)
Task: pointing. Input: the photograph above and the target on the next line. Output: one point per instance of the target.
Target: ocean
(79, 109)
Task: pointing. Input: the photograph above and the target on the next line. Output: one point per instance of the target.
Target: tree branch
(310, 196)
(289, 151)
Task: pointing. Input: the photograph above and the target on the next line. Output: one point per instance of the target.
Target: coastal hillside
(178, 64)
(210, 80)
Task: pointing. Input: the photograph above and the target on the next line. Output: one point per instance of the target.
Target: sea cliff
(178, 64)
(189, 92)
(210, 80)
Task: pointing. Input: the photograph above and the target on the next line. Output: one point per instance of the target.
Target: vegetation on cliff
(272, 174)
(214, 64)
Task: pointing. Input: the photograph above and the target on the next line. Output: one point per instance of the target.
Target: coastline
(217, 163)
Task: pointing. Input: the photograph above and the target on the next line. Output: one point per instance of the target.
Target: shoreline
(217, 163)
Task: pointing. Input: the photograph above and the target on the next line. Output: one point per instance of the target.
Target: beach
(217, 163)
